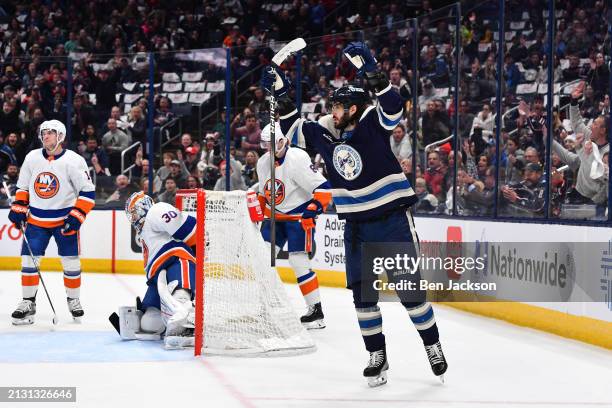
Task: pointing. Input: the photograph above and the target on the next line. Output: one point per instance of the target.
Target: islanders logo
(280, 191)
(46, 185)
(347, 162)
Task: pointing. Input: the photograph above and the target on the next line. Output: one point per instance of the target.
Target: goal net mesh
(245, 309)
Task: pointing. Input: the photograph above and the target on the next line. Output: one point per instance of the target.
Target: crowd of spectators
(40, 36)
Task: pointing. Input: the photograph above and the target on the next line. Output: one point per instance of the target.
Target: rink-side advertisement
(107, 245)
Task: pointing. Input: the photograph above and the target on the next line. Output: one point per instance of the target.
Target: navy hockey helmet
(350, 95)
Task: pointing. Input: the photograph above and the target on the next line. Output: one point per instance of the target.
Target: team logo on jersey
(347, 162)
(280, 191)
(46, 185)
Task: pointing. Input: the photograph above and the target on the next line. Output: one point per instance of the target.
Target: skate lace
(434, 353)
(74, 304)
(24, 305)
(376, 358)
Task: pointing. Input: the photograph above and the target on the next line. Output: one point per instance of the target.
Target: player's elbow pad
(377, 81)
(284, 106)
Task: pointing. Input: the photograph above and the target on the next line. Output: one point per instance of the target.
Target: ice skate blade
(441, 378)
(178, 342)
(77, 319)
(378, 380)
(317, 324)
(23, 322)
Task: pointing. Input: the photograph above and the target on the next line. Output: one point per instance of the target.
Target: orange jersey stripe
(29, 280)
(72, 283)
(185, 274)
(178, 252)
(309, 286)
(84, 205)
(191, 241)
(45, 224)
(22, 195)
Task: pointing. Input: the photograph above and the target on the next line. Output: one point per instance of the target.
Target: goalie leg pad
(129, 322)
(176, 307)
(151, 321)
(306, 278)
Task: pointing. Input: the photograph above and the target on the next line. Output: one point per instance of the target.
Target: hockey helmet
(136, 208)
(350, 95)
(279, 138)
(56, 126)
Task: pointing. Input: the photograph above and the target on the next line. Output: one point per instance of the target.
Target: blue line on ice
(82, 347)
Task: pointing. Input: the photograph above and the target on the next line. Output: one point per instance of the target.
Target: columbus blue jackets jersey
(365, 176)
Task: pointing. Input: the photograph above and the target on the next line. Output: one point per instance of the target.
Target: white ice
(491, 363)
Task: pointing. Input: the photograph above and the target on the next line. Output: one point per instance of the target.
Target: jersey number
(169, 215)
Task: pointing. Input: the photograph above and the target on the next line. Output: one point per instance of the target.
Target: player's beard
(344, 121)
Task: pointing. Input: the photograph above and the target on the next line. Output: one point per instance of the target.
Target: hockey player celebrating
(54, 195)
(370, 192)
(301, 194)
(166, 235)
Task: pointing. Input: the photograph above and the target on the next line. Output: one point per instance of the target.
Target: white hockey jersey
(296, 181)
(167, 232)
(53, 185)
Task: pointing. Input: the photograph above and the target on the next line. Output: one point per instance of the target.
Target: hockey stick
(278, 58)
(27, 244)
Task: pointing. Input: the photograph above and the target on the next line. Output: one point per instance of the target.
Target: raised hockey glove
(274, 78)
(73, 222)
(310, 214)
(19, 213)
(360, 56)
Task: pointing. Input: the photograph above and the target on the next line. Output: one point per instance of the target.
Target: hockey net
(243, 309)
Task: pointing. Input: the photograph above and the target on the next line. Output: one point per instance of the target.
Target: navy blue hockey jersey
(366, 177)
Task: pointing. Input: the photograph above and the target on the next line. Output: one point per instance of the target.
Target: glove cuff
(377, 80)
(78, 214)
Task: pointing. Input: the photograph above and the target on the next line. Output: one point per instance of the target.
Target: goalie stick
(290, 48)
(27, 244)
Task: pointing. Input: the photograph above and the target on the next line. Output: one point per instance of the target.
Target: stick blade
(289, 48)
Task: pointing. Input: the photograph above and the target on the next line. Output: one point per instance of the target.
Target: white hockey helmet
(55, 125)
(137, 207)
(279, 137)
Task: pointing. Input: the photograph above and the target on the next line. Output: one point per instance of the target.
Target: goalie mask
(136, 209)
(55, 126)
(281, 141)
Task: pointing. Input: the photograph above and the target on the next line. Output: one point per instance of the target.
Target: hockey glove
(272, 76)
(359, 55)
(310, 214)
(19, 213)
(73, 222)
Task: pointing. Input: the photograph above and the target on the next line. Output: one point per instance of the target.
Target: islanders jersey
(167, 233)
(296, 181)
(366, 178)
(53, 186)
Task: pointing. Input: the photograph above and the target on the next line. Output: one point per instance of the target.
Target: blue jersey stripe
(305, 277)
(88, 194)
(383, 191)
(387, 121)
(40, 213)
(366, 324)
(185, 230)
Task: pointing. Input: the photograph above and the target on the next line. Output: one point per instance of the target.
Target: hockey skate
(376, 371)
(24, 314)
(75, 308)
(180, 331)
(313, 319)
(437, 360)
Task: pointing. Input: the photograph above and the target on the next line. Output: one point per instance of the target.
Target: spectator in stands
(512, 161)
(114, 142)
(163, 114)
(169, 194)
(9, 118)
(478, 196)
(428, 94)
(249, 135)
(574, 71)
(512, 75)
(104, 86)
(96, 158)
(249, 171)
(193, 182)
(115, 113)
(400, 143)
(259, 105)
(137, 125)
(600, 76)
(527, 197)
(428, 202)
(82, 116)
(178, 172)
(236, 181)
(434, 175)
(190, 159)
(591, 189)
(123, 190)
(485, 120)
(531, 156)
(519, 49)
(16, 147)
(9, 177)
(435, 124)
(579, 44)
(466, 118)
